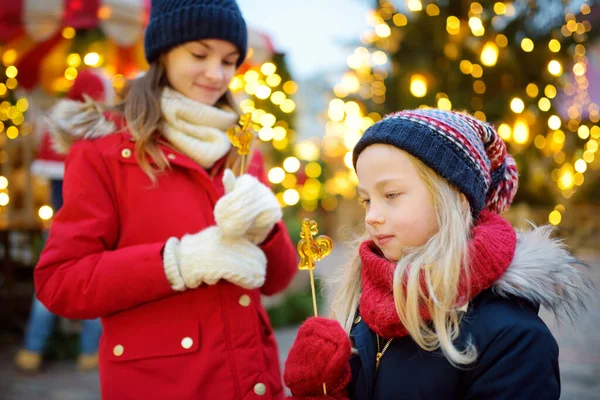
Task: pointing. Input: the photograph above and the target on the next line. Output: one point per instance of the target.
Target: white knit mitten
(208, 256)
(248, 208)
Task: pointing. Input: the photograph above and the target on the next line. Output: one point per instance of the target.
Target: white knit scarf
(196, 129)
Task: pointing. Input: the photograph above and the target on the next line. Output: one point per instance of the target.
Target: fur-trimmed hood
(73, 120)
(544, 272)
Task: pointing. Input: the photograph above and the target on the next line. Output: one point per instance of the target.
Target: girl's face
(400, 210)
(202, 70)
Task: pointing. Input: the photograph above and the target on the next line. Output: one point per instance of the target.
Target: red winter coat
(103, 259)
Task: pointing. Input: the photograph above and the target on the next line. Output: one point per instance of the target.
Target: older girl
(156, 235)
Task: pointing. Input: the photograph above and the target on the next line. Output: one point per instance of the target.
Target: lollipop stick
(312, 250)
(314, 295)
(243, 165)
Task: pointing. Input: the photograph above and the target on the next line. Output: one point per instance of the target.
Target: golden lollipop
(312, 250)
(241, 137)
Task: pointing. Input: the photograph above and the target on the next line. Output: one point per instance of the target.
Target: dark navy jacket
(517, 359)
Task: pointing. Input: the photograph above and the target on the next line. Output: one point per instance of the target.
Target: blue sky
(312, 33)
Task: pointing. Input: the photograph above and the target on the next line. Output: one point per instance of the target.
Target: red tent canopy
(36, 36)
(32, 30)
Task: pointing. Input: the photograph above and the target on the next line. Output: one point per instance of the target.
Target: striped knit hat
(468, 153)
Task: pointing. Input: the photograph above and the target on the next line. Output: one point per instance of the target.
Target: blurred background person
(49, 164)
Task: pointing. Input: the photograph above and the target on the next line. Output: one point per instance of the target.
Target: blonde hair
(441, 263)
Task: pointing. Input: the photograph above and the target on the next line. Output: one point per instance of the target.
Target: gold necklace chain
(381, 352)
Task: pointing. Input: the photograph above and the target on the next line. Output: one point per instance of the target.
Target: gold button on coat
(244, 300)
(171, 156)
(118, 350)
(357, 319)
(260, 389)
(187, 342)
(126, 153)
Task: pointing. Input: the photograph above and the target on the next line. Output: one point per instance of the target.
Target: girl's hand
(248, 208)
(210, 255)
(320, 354)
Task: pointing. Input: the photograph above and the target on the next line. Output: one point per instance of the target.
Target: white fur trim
(72, 120)
(544, 272)
(48, 169)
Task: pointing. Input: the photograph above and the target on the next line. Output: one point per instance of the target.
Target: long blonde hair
(141, 107)
(441, 263)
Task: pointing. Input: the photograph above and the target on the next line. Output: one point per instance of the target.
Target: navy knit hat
(174, 22)
(468, 153)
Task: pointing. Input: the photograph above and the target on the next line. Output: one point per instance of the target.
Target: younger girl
(442, 301)
(157, 237)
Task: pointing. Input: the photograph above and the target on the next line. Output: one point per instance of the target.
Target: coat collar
(544, 272)
(363, 336)
(124, 152)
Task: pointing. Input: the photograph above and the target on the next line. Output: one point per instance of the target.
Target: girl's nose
(373, 216)
(214, 71)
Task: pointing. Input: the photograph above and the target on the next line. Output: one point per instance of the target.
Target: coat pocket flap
(149, 338)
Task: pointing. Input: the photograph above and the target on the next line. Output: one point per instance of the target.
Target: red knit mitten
(339, 396)
(320, 354)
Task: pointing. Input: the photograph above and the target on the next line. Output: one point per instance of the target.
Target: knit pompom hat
(468, 153)
(174, 22)
(93, 84)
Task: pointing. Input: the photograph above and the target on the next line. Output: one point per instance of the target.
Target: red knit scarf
(491, 249)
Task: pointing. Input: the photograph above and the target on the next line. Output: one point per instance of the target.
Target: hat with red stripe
(465, 151)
